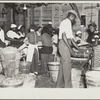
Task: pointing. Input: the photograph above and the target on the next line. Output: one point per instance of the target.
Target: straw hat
(73, 12)
(13, 26)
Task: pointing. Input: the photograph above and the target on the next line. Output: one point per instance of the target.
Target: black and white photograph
(49, 45)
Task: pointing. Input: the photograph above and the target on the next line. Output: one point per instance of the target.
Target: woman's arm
(67, 43)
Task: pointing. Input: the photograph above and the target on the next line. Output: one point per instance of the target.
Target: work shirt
(12, 34)
(66, 27)
(45, 39)
(32, 36)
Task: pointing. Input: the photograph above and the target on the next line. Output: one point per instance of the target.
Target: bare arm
(65, 40)
(74, 44)
(67, 43)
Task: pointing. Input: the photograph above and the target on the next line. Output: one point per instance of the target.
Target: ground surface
(46, 82)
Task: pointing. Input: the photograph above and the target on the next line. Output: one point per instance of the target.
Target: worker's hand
(78, 41)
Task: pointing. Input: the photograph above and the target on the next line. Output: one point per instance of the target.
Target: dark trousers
(64, 75)
(34, 65)
(45, 58)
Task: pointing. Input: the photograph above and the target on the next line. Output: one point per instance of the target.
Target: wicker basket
(10, 60)
(96, 57)
(11, 83)
(76, 77)
(92, 79)
(24, 67)
(53, 69)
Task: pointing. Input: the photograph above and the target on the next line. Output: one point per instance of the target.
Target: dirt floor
(46, 82)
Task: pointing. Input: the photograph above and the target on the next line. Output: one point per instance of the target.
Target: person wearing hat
(12, 33)
(13, 37)
(66, 38)
(78, 40)
(30, 49)
(49, 26)
(38, 31)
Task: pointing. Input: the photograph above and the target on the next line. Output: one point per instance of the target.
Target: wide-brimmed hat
(73, 12)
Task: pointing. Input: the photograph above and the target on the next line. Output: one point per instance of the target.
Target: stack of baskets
(25, 67)
(10, 60)
(96, 57)
(92, 79)
(76, 77)
(53, 69)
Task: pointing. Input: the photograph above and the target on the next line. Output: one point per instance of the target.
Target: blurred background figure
(39, 44)
(12, 33)
(91, 29)
(33, 40)
(13, 37)
(55, 43)
(78, 39)
(21, 30)
(30, 49)
(38, 31)
(50, 28)
(46, 49)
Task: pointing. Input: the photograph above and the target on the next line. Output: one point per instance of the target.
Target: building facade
(54, 13)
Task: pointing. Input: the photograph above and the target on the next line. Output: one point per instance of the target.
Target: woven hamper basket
(92, 79)
(76, 77)
(96, 57)
(10, 60)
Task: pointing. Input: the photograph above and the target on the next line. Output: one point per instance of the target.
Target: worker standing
(65, 50)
